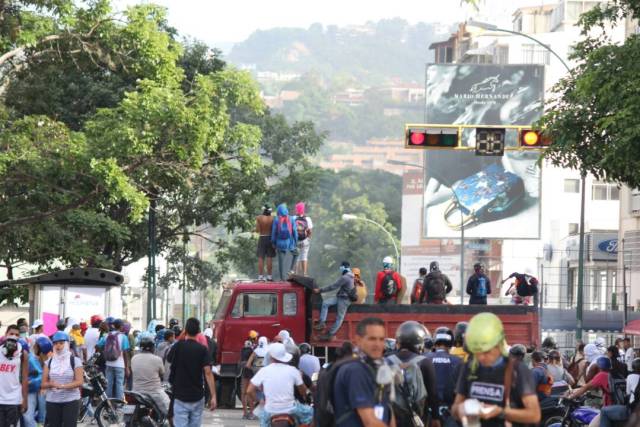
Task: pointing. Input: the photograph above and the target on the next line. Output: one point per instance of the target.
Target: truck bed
(521, 322)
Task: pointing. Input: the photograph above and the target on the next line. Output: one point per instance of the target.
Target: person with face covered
(345, 286)
(14, 378)
(62, 377)
(436, 286)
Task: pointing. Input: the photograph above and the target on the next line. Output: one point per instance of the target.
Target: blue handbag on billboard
(488, 195)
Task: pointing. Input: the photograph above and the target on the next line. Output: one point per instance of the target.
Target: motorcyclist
(458, 341)
(410, 338)
(490, 386)
(148, 370)
(447, 368)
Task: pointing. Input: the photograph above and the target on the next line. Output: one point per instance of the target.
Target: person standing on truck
(14, 378)
(361, 287)
(436, 285)
(304, 227)
(346, 292)
(446, 368)
(284, 237)
(503, 388)
(265, 250)
(418, 286)
(388, 283)
(410, 337)
(478, 285)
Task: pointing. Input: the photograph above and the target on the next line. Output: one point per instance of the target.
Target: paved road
(219, 418)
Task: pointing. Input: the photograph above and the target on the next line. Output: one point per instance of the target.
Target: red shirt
(601, 380)
(396, 277)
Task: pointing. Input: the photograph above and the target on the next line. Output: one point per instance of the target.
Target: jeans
(342, 303)
(613, 413)
(303, 414)
(36, 411)
(281, 256)
(187, 414)
(115, 382)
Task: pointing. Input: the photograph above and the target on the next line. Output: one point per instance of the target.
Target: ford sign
(609, 246)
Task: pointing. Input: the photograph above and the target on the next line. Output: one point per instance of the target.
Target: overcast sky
(226, 21)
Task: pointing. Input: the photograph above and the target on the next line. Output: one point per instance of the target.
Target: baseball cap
(37, 323)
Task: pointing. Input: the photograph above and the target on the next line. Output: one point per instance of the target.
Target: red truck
(269, 307)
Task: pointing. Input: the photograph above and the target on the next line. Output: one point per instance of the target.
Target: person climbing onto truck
(284, 236)
(436, 285)
(265, 250)
(478, 285)
(343, 299)
(388, 283)
(522, 289)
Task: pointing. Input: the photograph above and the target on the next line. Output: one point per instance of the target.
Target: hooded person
(361, 287)
(436, 286)
(304, 228)
(284, 236)
(346, 290)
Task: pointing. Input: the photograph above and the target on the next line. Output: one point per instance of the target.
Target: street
(221, 417)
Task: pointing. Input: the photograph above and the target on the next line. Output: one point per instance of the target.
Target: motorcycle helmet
(604, 363)
(305, 348)
(95, 320)
(44, 345)
(147, 344)
(443, 336)
(485, 331)
(458, 333)
(518, 351)
(410, 335)
(173, 322)
(60, 336)
(428, 344)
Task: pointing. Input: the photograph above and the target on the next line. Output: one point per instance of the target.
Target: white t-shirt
(628, 358)
(91, 337)
(632, 383)
(278, 381)
(10, 386)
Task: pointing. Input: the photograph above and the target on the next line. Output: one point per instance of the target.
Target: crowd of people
(41, 375)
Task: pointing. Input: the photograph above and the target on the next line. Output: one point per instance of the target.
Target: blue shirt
(35, 373)
(355, 387)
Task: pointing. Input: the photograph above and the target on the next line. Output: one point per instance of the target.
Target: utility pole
(580, 303)
(151, 268)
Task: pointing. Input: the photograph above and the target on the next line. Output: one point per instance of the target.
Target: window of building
(573, 228)
(535, 54)
(604, 191)
(502, 54)
(449, 55)
(571, 185)
(255, 305)
(289, 304)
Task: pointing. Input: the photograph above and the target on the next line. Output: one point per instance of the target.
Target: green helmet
(485, 331)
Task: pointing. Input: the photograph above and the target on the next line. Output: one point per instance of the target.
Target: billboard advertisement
(491, 196)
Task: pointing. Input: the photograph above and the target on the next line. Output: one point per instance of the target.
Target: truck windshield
(222, 305)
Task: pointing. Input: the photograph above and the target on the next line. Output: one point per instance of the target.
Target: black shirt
(188, 358)
(447, 368)
(487, 385)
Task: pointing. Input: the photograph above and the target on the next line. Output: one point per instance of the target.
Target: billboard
(495, 196)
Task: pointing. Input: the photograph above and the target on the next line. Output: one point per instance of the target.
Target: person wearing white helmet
(388, 283)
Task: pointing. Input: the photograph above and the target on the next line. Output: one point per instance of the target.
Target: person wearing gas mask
(14, 378)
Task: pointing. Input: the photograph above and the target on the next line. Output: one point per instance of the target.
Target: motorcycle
(141, 410)
(282, 420)
(106, 411)
(576, 414)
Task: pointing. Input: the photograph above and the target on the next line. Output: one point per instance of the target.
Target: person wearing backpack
(361, 287)
(284, 237)
(344, 297)
(613, 413)
(541, 376)
(417, 393)
(418, 286)
(62, 377)
(436, 285)
(504, 387)
(116, 347)
(478, 285)
(304, 228)
(388, 283)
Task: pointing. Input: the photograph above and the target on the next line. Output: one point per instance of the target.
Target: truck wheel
(228, 392)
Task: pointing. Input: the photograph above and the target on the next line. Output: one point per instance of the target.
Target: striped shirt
(66, 377)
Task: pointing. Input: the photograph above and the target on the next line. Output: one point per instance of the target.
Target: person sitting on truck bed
(436, 286)
(345, 288)
(388, 283)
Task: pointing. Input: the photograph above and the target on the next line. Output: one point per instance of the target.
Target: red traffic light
(530, 138)
(428, 137)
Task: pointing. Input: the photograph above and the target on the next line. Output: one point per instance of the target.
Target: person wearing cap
(504, 388)
(345, 287)
(37, 410)
(446, 366)
(62, 378)
(92, 335)
(277, 381)
(38, 330)
(14, 377)
(388, 284)
(117, 370)
(265, 251)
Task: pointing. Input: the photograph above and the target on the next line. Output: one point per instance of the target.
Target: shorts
(303, 249)
(265, 248)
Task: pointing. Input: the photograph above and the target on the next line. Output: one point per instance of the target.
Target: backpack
(285, 231)
(324, 412)
(617, 390)
(435, 287)
(526, 288)
(574, 368)
(302, 226)
(418, 286)
(411, 393)
(353, 294)
(112, 350)
(481, 288)
(545, 387)
(389, 286)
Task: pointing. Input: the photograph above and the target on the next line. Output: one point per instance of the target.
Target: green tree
(593, 118)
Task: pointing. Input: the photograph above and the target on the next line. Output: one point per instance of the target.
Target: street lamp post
(398, 162)
(583, 174)
(351, 217)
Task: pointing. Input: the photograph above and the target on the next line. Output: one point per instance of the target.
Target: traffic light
(490, 141)
(431, 137)
(530, 138)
